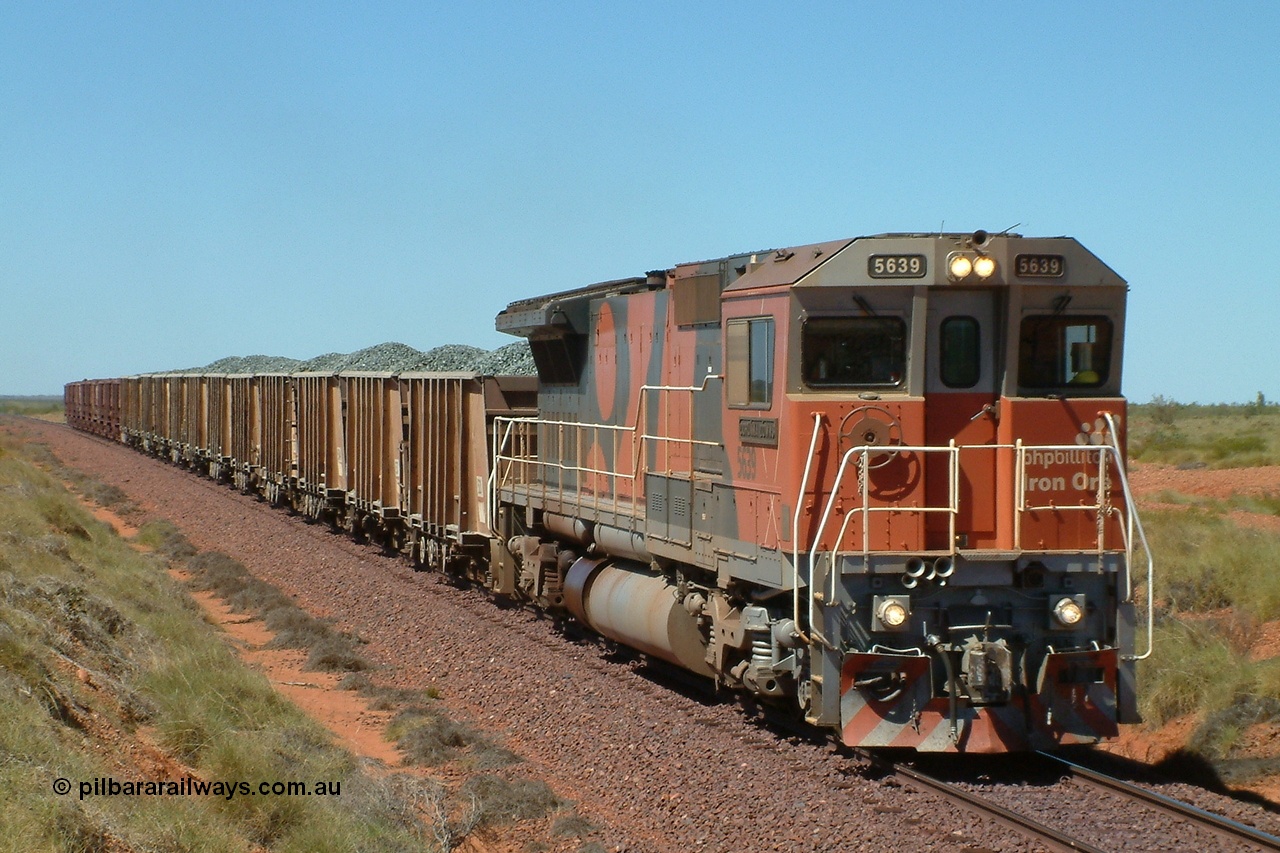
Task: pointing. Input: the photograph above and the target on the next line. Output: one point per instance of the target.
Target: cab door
(961, 396)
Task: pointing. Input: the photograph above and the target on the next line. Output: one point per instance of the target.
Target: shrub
(1197, 670)
(427, 737)
(505, 801)
(1205, 563)
(166, 540)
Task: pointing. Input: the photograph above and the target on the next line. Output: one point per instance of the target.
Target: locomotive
(880, 480)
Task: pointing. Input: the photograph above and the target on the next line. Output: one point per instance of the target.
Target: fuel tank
(626, 603)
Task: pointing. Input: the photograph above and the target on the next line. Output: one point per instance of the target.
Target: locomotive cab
(960, 506)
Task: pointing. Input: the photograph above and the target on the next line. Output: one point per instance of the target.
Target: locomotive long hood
(567, 312)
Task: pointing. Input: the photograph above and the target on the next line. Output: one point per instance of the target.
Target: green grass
(1217, 583)
(1205, 562)
(1257, 504)
(31, 406)
(1216, 436)
(1204, 669)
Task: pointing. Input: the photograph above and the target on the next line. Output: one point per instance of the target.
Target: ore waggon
(880, 480)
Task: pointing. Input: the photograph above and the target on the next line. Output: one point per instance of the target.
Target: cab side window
(749, 362)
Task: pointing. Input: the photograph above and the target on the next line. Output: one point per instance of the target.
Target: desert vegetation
(1221, 435)
(108, 670)
(1217, 660)
(46, 407)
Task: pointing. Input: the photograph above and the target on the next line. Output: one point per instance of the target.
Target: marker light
(1068, 612)
(959, 267)
(984, 266)
(892, 614)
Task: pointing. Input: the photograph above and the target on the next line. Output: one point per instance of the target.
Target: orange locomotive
(881, 480)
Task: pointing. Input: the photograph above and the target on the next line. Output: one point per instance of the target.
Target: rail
(863, 452)
(1102, 507)
(795, 526)
(520, 455)
(1232, 830)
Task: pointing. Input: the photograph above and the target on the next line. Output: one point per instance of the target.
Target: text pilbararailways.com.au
(189, 786)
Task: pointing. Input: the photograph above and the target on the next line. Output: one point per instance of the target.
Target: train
(878, 481)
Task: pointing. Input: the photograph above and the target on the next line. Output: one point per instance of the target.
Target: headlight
(892, 612)
(1068, 612)
(984, 266)
(959, 267)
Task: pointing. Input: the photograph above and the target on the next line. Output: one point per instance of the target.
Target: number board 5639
(896, 266)
(1040, 266)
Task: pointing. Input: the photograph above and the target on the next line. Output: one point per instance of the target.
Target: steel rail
(1223, 826)
(1052, 839)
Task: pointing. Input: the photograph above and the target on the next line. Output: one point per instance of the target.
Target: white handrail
(795, 529)
(1134, 519)
(637, 439)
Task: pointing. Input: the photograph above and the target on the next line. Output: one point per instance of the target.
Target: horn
(943, 567)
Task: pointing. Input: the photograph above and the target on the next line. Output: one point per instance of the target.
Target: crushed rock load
(392, 357)
(249, 364)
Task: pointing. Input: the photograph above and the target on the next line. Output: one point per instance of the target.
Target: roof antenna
(942, 229)
(1010, 228)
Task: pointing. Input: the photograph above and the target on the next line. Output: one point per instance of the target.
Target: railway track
(1229, 830)
(1232, 834)
(1052, 839)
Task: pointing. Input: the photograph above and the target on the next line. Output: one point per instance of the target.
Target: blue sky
(185, 181)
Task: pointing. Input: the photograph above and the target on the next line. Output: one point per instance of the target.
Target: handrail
(795, 530)
(505, 435)
(642, 410)
(1101, 505)
(863, 451)
(637, 440)
(1134, 519)
(495, 478)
